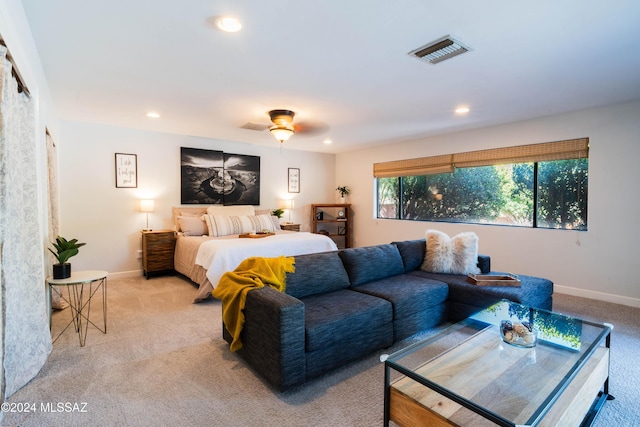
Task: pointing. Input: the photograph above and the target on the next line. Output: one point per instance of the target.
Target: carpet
(163, 362)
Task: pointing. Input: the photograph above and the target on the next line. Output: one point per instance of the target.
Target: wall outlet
(139, 251)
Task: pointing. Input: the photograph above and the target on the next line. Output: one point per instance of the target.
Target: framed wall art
(294, 180)
(126, 170)
(214, 177)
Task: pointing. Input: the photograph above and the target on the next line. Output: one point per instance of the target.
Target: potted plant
(344, 192)
(64, 249)
(278, 213)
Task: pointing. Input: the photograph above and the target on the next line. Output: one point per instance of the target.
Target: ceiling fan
(283, 127)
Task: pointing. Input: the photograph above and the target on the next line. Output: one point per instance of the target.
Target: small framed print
(126, 170)
(294, 180)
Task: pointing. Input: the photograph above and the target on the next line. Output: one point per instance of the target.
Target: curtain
(25, 336)
(54, 229)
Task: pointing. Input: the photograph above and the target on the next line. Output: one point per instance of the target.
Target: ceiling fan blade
(255, 126)
(310, 127)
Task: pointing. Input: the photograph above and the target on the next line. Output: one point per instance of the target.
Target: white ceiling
(341, 63)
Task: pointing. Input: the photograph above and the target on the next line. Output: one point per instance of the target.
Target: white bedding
(218, 256)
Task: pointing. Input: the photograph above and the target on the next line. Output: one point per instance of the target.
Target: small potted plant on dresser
(64, 249)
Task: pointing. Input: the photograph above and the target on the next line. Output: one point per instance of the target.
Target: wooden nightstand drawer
(157, 251)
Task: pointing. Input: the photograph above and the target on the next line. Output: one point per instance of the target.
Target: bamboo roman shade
(548, 151)
(413, 167)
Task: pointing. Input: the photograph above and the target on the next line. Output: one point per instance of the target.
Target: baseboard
(125, 274)
(599, 296)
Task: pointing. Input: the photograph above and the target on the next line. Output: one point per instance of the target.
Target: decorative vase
(343, 200)
(518, 334)
(61, 271)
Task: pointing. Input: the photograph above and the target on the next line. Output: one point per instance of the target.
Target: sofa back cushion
(315, 274)
(371, 263)
(412, 253)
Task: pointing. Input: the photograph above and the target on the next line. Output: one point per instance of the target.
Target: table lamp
(287, 204)
(147, 206)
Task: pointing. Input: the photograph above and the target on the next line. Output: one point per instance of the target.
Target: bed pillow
(276, 222)
(451, 255)
(177, 211)
(274, 219)
(192, 225)
(231, 210)
(225, 225)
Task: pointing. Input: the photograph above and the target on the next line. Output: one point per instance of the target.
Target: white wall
(598, 263)
(106, 218)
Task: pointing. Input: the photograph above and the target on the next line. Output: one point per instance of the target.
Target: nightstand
(290, 227)
(158, 248)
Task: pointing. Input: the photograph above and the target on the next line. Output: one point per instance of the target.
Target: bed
(208, 243)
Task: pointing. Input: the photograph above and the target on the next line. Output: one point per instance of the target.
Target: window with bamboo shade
(536, 185)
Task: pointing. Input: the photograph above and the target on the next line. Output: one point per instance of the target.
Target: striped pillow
(225, 225)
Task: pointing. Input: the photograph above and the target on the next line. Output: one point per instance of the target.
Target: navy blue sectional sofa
(340, 306)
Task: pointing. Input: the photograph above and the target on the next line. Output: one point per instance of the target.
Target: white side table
(81, 287)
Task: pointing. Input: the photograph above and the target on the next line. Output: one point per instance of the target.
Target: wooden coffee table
(468, 375)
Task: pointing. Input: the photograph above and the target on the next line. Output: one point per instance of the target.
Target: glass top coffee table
(476, 373)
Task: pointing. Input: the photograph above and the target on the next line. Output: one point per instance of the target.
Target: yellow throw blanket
(252, 273)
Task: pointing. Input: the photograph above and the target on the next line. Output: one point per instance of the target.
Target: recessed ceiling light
(153, 115)
(462, 110)
(228, 24)
(327, 141)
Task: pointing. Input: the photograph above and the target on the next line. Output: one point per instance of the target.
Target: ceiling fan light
(228, 24)
(282, 133)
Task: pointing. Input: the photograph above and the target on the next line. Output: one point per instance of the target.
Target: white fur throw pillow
(452, 255)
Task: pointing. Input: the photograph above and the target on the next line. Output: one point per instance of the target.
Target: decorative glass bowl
(519, 334)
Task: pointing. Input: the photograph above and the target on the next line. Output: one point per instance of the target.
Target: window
(534, 193)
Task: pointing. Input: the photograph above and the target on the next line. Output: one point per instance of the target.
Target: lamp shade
(147, 205)
(281, 133)
(285, 204)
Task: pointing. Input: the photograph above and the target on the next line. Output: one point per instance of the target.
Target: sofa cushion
(315, 274)
(421, 321)
(371, 263)
(412, 253)
(408, 294)
(343, 318)
(533, 291)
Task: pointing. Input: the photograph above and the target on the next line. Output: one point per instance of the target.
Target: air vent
(254, 126)
(440, 50)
